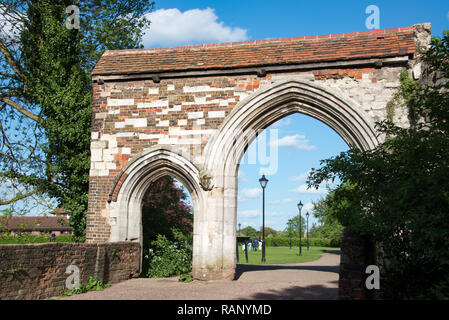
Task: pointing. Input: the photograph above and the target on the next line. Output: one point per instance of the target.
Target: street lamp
(263, 183)
(300, 205)
(289, 224)
(307, 215)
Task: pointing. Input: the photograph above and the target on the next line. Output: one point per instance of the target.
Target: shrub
(186, 277)
(167, 258)
(93, 284)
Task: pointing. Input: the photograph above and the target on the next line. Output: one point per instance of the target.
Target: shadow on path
(242, 268)
(313, 292)
(333, 251)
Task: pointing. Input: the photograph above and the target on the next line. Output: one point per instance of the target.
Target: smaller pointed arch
(135, 178)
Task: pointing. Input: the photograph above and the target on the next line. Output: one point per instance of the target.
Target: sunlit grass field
(280, 255)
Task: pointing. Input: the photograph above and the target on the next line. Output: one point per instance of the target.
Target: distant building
(36, 225)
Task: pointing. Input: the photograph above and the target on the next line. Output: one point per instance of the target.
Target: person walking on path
(260, 244)
(255, 244)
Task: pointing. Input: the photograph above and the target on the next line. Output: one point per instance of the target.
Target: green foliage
(93, 284)
(269, 232)
(403, 96)
(282, 241)
(329, 227)
(47, 82)
(292, 227)
(28, 238)
(167, 258)
(248, 232)
(398, 193)
(186, 277)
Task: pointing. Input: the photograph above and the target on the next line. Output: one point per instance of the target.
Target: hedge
(315, 242)
(32, 239)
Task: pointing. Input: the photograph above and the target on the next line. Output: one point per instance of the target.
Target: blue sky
(250, 19)
(302, 143)
(304, 140)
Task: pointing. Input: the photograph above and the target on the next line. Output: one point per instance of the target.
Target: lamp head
(300, 205)
(263, 181)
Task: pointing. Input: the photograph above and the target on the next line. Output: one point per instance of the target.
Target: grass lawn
(279, 255)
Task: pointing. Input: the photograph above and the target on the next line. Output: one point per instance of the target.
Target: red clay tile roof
(272, 52)
(34, 224)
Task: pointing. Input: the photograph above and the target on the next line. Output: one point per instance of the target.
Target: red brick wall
(37, 271)
(357, 252)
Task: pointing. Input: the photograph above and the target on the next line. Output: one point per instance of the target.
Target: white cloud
(249, 214)
(251, 193)
(251, 224)
(307, 207)
(281, 201)
(171, 27)
(296, 141)
(242, 176)
(281, 123)
(303, 190)
(301, 178)
(273, 214)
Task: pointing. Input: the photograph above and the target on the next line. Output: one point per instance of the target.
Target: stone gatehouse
(190, 112)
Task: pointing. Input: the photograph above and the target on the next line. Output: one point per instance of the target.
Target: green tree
(165, 207)
(269, 232)
(248, 232)
(290, 231)
(398, 193)
(329, 227)
(295, 226)
(45, 94)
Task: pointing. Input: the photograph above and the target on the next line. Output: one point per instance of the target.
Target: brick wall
(37, 271)
(357, 252)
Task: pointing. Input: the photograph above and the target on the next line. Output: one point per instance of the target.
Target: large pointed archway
(224, 151)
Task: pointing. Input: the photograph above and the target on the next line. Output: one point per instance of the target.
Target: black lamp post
(290, 223)
(263, 183)
(239, 228)
(300, 205)
(307, 215)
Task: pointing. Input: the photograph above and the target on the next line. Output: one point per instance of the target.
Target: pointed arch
(224, 151)
(142, 170)
(280, 99)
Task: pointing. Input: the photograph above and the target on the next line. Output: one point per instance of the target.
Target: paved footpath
(309, 280)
